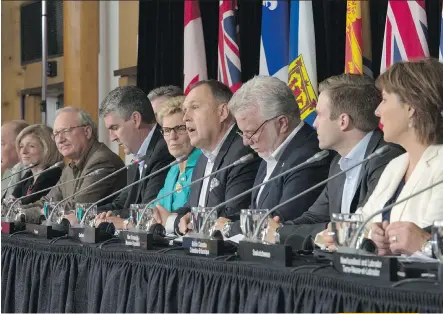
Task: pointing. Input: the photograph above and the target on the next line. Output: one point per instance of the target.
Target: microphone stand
(90, 234)
(281, 255)
(17, 172)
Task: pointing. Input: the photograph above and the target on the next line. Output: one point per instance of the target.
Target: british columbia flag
(229, 67)
(406, 33)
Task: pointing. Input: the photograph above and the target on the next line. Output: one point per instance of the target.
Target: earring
(410, 124)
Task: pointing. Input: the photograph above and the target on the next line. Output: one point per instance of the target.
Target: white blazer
(422, 209)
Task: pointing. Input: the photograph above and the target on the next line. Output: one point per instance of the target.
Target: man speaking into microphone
(130, 119)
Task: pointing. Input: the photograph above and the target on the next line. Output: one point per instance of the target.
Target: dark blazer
(157, 156)
(232, 181)
(44, 181)
(329, 201)
(301, 147)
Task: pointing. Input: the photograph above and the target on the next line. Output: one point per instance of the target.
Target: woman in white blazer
(411, 115)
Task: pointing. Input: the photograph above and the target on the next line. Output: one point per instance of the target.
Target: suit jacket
(231, 182)
(316, 218)
(44, 181)
(301, 147)
(12, 180)
(157, 156)
(99, 156)
(422, 209)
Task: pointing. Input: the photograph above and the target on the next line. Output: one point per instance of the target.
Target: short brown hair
(355, 95)
(419, 84)
(171, 106)
(50, 154)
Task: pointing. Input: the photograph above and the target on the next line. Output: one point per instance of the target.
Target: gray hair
(84, 118)
(165, 91)
(270, 95)
(125, 100)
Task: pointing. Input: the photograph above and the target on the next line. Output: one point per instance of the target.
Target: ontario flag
(406, 33)
(194, 47)
(358, 56)
(229, 67)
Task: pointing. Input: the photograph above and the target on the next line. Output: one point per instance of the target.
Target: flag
(406, 32)
(274, 45)
(302, 76)
(194, 47)
(441, 38)
(358, 54)
(229, 68)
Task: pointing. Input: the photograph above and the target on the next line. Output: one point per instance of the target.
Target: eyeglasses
(249, 138)
(178, 129)
(65, 131)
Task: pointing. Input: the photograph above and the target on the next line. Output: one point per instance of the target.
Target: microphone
(354, 240)
(177, 161)
(17, 172)
(317, 157)
(134, 162)
(57, 164)
(93, 173)
(375, 154)
(242, 160)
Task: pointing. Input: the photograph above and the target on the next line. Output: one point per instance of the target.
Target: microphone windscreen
(107, 227)
(369, 246)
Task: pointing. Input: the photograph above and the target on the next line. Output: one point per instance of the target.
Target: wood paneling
(32, 109)
(33, 73)
(12, 72)
(128, 30)
(81, 47)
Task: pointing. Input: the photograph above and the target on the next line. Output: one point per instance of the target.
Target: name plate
(274, 254)
(137, 239)
(42, 231)
(369, 266)
(8, 227)
(88, 234)
(203, 246)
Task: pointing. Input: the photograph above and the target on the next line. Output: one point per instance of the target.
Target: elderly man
(269, 119)
(160, 95)
(10, 160)
(130, 119)
(212, 128)
(75, 134)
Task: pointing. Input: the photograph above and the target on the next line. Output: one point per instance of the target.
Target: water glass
(135, 215)
(343, 228)
(198, 216)
(80, 210)
(48, 207)
(437, 239)
(6, 205)
(249, 220)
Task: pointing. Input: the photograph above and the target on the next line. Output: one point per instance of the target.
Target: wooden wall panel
(32, 109)
(128, 30)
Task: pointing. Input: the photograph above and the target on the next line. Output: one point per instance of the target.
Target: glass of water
(437, 239)
(80, 211)
(198, 216)
(48, 207)
(6, 205)
(343, 228)
(135, 215)
(249, 220)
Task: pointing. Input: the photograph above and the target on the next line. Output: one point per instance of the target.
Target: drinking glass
(198, 216)
(437, 239)
(146, 221)
(48, 207)
(343, 228)
(80, 210)
(249, 219)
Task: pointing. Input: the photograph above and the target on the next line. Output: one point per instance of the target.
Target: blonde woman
(35, 146)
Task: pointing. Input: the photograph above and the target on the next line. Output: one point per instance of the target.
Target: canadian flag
(194, 47)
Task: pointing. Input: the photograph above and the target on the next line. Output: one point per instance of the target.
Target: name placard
(88, 234)
(136, 239)
(274, 254)
(203, 246)
(42, 231)
(383, 268)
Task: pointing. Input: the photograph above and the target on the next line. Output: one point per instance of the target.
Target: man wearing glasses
(76, 137)
(212, 128)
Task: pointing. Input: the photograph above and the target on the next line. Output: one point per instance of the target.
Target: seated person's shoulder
(103, 155)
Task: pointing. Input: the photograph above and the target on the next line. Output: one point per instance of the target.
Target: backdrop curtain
(160, 49)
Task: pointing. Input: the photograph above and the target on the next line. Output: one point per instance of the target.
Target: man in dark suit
(345, 123)
(269, 119)
(130, 119)
(212, 128)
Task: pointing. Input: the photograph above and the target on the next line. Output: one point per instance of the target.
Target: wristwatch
(426, 248)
